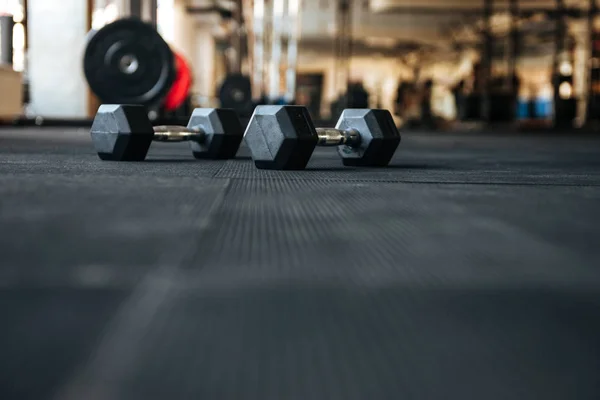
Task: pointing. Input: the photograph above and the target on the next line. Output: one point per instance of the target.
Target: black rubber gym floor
(469, 269)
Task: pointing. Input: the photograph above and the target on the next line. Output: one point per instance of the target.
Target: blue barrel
(523, 109)
(538, 108)
(543, 108)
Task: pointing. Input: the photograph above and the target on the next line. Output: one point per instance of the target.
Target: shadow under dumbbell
(353, 169)
(417, 166)
(171, 160)
(193, 160)
(329, 169)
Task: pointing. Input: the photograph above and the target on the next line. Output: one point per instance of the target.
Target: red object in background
(181, 87)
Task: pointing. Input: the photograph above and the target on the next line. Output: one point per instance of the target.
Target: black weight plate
(236, 93)
(128, 62)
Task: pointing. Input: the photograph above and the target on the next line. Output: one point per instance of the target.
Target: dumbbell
(284, 137)
(124, 133)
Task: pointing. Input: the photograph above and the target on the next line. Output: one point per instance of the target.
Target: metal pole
(25, 24)
(153, 12)
(343, 48)
(292, 49)
(275, 64)
(349, 43)
(267, 38)
(514, 44)
(258, 49)
(338, 54)
(487, 60)
(560, 31)
(6, 39)
(337, 50)
(559, 47)
(236, 45)
(135, 8)
(591, 107)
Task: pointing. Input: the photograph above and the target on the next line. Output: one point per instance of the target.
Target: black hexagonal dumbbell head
(378, 133)
(223, 133)
(281, 137)
(121, 132)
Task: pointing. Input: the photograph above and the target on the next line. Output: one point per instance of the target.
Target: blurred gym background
(437, 64)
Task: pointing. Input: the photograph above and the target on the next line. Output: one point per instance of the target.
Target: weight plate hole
(128, 64)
